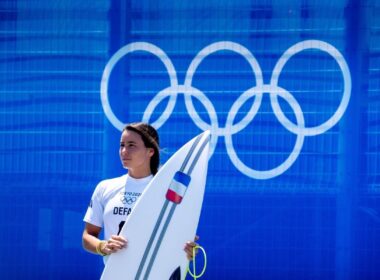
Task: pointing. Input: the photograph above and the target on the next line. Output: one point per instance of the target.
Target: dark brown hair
(150, 138)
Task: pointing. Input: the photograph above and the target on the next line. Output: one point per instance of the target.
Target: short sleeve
(94, 214)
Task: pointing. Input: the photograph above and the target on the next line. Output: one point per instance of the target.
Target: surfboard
(165, 217)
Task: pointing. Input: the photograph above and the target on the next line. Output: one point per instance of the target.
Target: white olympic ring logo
(257, 91)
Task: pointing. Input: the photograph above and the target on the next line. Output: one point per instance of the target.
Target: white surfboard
(165, 217)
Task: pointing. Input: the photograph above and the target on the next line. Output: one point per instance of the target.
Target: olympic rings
(139, 46)
(312, 44)
(257, 92)
(265, 174)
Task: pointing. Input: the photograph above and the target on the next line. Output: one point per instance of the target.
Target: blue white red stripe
(178, 187)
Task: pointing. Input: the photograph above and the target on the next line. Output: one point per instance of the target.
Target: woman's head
(150, 139)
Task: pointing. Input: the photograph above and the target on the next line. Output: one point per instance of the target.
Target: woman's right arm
(91, 242)
(90, 238)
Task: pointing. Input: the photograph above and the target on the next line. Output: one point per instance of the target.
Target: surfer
(113, 199)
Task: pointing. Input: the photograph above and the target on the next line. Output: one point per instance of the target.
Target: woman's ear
(150, 152)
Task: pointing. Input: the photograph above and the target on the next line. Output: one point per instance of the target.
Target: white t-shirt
(112, 201)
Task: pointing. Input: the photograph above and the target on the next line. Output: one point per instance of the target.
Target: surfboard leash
(194, 274)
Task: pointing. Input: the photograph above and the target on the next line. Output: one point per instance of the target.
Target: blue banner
(288, 89)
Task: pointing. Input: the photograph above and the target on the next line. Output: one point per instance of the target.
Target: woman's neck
(139, 174)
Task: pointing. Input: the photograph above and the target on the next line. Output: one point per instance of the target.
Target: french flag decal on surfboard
(178, 187)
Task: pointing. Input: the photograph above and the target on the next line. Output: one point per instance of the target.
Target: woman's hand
(114, 244)
(189, 246)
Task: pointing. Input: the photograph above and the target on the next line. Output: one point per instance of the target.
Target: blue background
(320, 219)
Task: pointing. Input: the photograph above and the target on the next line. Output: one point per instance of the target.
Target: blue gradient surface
(318, 218)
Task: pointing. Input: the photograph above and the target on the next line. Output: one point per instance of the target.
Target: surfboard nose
(207, 133)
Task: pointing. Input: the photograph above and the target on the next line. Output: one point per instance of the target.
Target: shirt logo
(125, 198)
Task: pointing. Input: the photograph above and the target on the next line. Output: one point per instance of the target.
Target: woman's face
(133, 153)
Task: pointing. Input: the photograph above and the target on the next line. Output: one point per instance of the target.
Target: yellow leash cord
(194, 274)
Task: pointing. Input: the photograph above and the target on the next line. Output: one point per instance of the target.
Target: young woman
(114, 199)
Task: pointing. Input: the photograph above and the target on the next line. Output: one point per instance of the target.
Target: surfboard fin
(176, 275)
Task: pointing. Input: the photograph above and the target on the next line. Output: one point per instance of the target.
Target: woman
(114, 199)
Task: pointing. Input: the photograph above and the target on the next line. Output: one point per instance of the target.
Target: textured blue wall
(290, 90)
